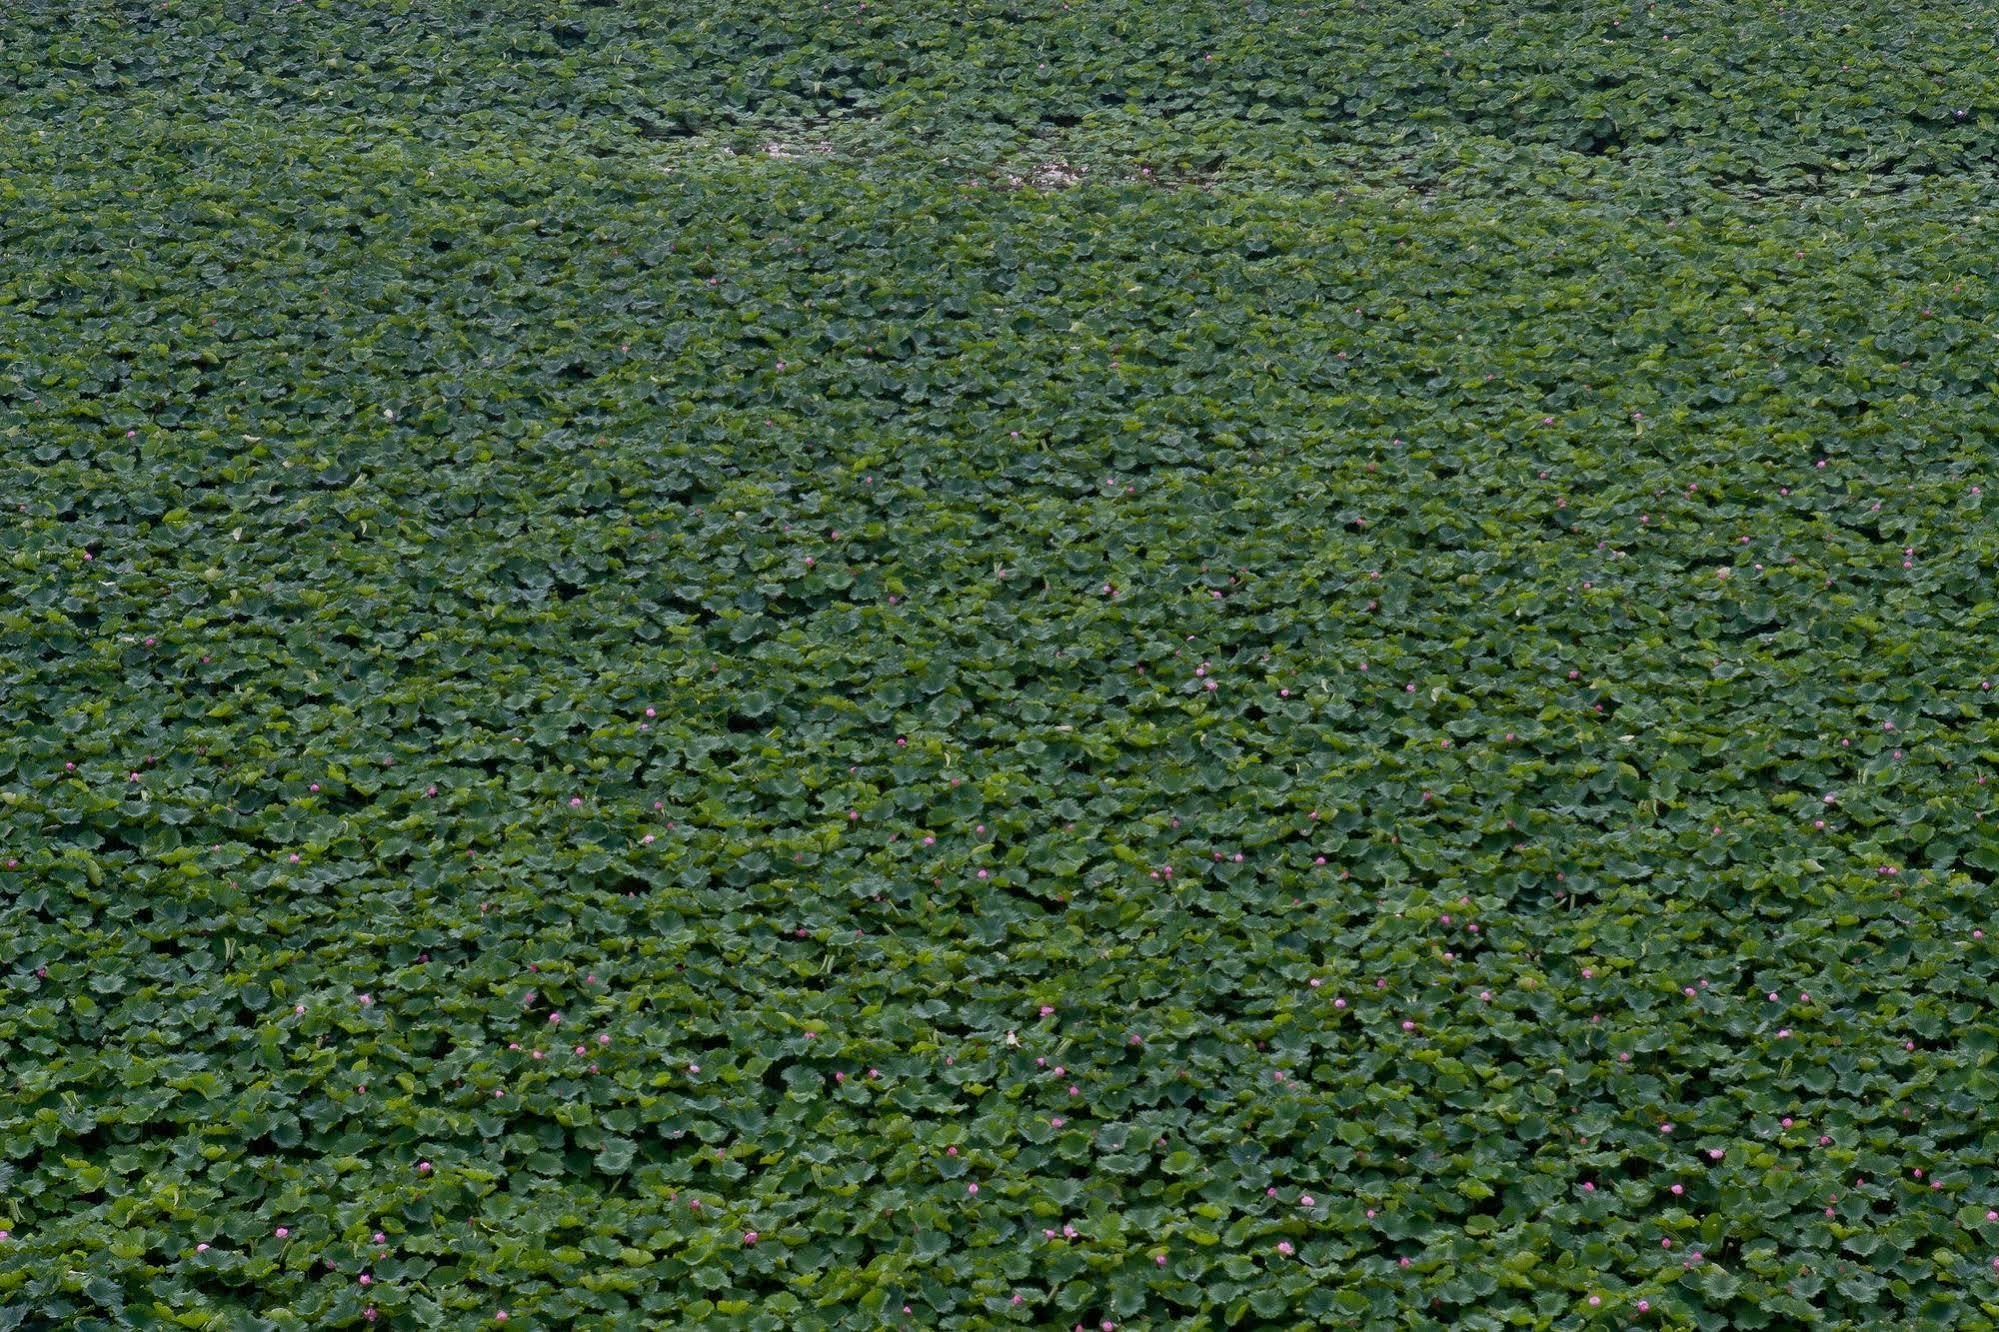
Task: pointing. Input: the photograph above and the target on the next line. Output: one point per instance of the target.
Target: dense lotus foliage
(910, 665)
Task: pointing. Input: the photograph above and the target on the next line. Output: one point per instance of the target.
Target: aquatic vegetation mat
(896, 665)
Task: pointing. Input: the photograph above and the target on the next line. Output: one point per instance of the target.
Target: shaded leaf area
(618, 670)
(1516, 96)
